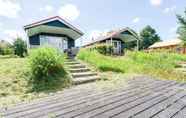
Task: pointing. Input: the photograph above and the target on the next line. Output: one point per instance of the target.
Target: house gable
(126, 32)
(56, 23)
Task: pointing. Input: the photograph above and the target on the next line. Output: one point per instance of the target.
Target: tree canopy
(182, 27)
(148, 37)
(20, 47)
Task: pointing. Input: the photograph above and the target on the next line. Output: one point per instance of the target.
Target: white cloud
(1, 25)
(173, 29)
(169, 9)
(94, 34)
(69, 11)
(136, 20)
(47, 8)
(12, 34)
(9, 9)
(156, 2)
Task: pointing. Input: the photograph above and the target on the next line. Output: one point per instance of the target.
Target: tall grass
(160, 64)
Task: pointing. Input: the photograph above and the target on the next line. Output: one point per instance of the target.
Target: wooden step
(181, 69)
(76, 66)
(183, 65)
(72, 63)
(70, 60)
(79, 70)
(83, 74)
(82, 80)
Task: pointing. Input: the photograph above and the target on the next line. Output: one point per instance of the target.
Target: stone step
(76, 66)
(83, 74)
(85, 79)
(76, 70)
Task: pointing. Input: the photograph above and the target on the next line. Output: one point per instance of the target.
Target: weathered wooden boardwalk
(142, 98)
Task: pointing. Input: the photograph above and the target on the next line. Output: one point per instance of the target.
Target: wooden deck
(142, 98)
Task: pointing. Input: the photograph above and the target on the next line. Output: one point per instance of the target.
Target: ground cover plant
(17, 82)
(158, 64)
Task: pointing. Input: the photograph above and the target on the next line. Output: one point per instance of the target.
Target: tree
(182, 27)
(148, 37)
(20, 47)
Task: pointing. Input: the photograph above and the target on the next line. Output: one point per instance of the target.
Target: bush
(20, 47)
(45, 62)
(104, 48)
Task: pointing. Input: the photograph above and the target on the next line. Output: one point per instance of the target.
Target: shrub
(45, 62)
(104, 48)
(20, 47)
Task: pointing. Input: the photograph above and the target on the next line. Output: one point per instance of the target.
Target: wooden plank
(67, 93)
(172, 110)
(181, 113)
(127, 106)
(96, 107)
(37, 103)
(147, 113)
(45, 104)
(145, 105)
(51, 108)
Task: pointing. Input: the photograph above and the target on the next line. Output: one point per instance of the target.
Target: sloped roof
(112, 33)
(52, 19)
(166, 43)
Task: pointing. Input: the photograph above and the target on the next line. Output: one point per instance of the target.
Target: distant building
(173, 45)
(116, 38)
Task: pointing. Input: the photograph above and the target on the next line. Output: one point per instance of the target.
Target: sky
(92, 16)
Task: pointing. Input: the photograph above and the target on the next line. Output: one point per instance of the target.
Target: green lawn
(16, 84)
(160, 65)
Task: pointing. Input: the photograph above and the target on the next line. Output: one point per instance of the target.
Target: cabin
(53, 31)
(117, 39)
(172, 45)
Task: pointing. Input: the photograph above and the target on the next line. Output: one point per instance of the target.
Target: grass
(16, 84)
(160, 64)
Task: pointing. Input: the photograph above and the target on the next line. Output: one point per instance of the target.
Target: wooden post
(111, 46)
(137, 44)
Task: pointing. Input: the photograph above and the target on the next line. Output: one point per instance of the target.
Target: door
(116, 47)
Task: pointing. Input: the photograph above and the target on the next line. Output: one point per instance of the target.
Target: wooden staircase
(182, 67)
(79, 72)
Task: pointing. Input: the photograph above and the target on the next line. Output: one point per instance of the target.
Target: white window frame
(61, 45)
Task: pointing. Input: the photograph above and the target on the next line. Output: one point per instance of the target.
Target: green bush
(45, 62)
(104, 48)
(20, 47)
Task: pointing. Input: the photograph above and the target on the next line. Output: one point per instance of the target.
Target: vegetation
(148, 36)
(17, 82)
(182, 27)
(20, 47)
(103, 48)
(158, 64)
(45, 61)
(6, 48)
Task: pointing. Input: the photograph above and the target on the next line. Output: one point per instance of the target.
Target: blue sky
(92, 16)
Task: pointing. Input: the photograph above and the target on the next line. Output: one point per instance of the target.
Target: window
(57, 42)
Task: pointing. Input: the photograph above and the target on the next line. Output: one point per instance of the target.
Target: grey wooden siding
(34, 40)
